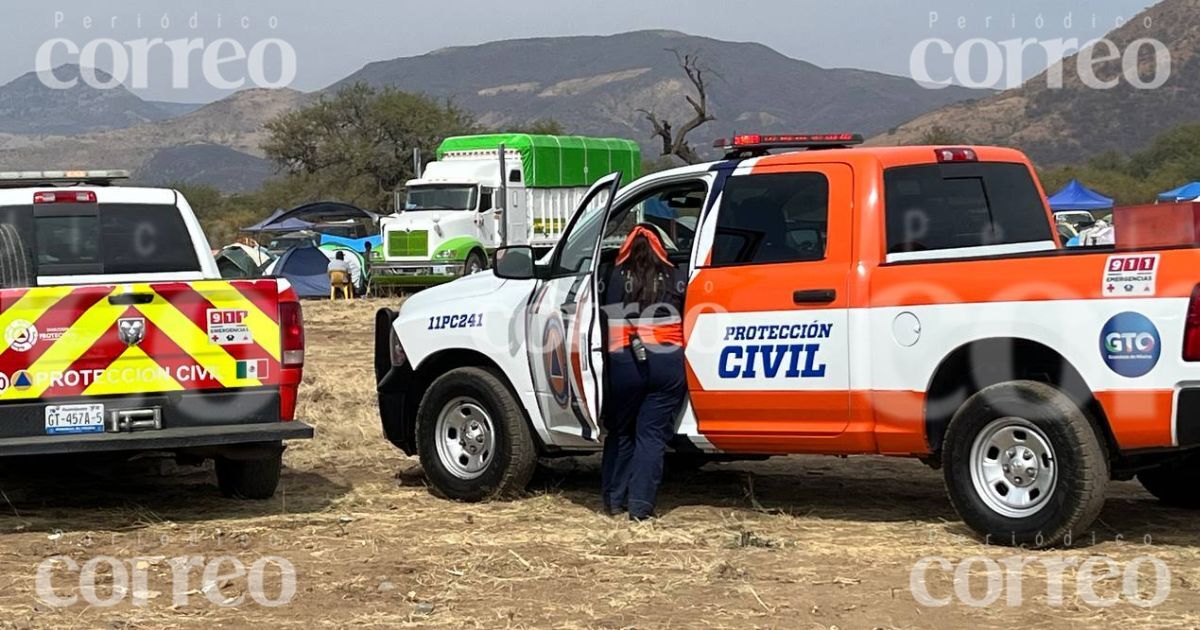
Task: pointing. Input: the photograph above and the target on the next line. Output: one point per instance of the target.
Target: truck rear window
(67, 239)
(953, 206)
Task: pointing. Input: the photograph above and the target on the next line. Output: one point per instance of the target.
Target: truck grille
(415, 243)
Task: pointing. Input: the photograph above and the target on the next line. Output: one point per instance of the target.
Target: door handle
(814, 296)
(130, 299)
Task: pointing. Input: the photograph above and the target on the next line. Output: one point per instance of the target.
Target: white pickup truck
(904, 301)
(470, 201)
(120, 336)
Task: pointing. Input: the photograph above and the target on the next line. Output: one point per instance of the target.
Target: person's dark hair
(644, 273)
(340, 256)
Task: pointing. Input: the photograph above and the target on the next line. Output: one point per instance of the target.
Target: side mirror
(515, 263)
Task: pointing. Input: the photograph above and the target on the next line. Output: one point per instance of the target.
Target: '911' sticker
(1133, 275)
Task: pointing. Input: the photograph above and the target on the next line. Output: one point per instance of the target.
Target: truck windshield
(442, 198)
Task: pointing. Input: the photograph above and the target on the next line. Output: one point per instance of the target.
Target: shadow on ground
(867, 489)
(76, 494)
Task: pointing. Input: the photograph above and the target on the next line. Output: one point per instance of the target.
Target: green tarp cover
(559, 161)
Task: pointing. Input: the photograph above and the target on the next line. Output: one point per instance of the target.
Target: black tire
(475, 260)
(16, 270)
(1175, 483)
(1079, 463)
(254, 479)
(508, 468)
(677, 464)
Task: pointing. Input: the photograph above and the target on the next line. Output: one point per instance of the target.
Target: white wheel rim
(466, 438)
(1013, 467)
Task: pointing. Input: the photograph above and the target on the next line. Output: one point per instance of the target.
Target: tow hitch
(130, 420)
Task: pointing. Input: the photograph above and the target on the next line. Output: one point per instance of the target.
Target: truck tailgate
(136, 339)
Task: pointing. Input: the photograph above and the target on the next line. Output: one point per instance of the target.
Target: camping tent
(305, 268)
(354, 259)
(284, 224)
(1188, 192)
(1076, 196)
(257, 227)
(242, 261)
(234, 263)
(321, 213)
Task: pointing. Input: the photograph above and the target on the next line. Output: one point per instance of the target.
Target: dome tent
(306, 268)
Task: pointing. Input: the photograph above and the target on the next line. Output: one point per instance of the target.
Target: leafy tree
(938, 135)
(357, 145)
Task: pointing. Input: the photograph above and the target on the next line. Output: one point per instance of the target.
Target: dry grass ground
(804, 542)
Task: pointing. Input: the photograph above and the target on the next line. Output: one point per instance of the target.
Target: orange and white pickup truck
(120, 336)
(907, 301)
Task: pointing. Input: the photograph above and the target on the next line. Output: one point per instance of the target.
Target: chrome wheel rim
(1013, 467)
(474, 266)
(466, 438)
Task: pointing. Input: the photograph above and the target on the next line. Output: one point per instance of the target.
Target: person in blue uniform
(646, 378)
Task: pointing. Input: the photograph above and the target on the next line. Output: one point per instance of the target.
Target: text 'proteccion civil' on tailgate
(132, 339)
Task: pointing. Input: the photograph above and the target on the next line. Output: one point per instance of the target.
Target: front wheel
(476, 262)
(1023, 465)
(472, 437)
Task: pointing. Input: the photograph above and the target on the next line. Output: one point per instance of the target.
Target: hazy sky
(332, 38)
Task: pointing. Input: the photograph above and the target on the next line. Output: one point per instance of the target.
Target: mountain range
(591, 85)
(1068, 124)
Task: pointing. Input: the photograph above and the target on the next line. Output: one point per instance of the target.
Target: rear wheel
(472, 437)
(1176, 484)
(1023, 465)
(15, 268)
(249, 478)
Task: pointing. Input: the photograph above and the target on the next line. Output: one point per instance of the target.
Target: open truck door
(514, 214)
(565, 343)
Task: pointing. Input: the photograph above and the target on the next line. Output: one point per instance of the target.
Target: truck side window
(951, 206)
(772, 218)
(485, 200)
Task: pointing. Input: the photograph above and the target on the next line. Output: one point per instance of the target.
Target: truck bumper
(1187, 417)
(418, 274)
(182, 438)
(167, 421)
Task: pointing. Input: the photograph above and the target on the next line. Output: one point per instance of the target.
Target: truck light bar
(21, 179)
(750, 145)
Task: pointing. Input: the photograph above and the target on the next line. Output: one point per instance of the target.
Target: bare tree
(674, 141)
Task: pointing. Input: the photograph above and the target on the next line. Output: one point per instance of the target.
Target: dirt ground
(801, 542)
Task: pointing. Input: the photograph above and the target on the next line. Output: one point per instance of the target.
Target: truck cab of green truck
(472, 200)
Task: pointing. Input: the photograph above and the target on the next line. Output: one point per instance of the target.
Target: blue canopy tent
(1076, 196)
(258, 227)
(356, 244)
(306, 268)
(1188, 192)
(290, 224)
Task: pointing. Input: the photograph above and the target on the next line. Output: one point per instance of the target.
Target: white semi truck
(473, 199)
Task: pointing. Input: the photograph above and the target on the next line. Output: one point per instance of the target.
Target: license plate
(441, 270)
(83, 418)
